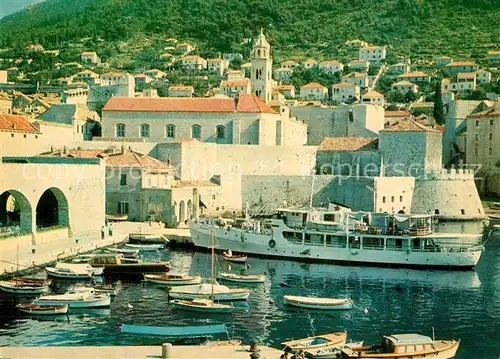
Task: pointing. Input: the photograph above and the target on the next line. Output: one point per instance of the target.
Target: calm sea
(462, 305)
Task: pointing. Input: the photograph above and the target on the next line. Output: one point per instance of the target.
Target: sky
(9, 6)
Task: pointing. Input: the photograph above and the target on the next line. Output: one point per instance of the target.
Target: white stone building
(404, 87)
(482, 76)
(373, 98)
(262, 67)
(287, 90)
(373, 53)
(235, 75)
(142, 79)
(90, 57)
(418, 76)
(493, 58)
(283, 74)
(309, 63)
(217, 66)
(184, 47)
(180, 91)
(359, 65)
(443, 61)
(331, 67)
(400, 68)
(156, 74)
(87, 76)
(245, 120)
(453, 68)
(194, 63)
(234, 88)
(289, 64)
(357, 78)
(313, 91)
(345, 91)
(3, 77)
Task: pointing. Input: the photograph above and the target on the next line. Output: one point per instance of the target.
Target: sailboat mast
(212, 270)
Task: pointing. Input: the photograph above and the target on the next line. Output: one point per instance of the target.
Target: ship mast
(212, 269)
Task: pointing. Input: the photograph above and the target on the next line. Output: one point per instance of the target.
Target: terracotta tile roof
(166, 54)
(349, 144)
(354, 75)
(461, 63)
(373, 94)
(135, 159)
(483, 71)
(404, 83)
(89, 53)
(215, 60)
(330, 62)
(414, 74)
(85, 153)
(246, 103)
(444, 58)
(114, 74)
(492, 112)
(372, 47)
(312, 61)
(312, 85)
(344, 84)
(285, 87)
(288, 62)
(408, 125)
(283, 69)
(400, 113)
(358, 62)
(16, 123)
(233, 83)
(246, 64)
(466, 75)
(193, 57)
(180, 88)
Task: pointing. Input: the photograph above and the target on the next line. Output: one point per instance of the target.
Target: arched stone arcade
(52, 209)
(16, 213)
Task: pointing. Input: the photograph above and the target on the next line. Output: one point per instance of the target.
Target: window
(400, 198)
(221, 132)
(383, 199)
(170, 131)
(392, 198)
(77, 128)
(477, 123)
(196, 132)
(463, 211)
(491, 122)
(144, 130)
(120, 130)
(123, 207)
(123, 179)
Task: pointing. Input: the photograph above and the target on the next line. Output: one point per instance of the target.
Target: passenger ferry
(340, 236)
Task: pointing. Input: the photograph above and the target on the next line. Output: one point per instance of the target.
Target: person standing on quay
(110, 230)
(102, 232)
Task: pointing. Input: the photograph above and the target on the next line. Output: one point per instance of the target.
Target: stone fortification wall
(450, 195)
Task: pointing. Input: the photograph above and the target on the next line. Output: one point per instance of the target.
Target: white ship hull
(275, 245)
(89, 302)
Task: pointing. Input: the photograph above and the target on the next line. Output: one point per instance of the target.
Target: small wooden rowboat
(23, 288)
(318, 303)
(252, 278)
(145, 247)
(43, 309)
(202, 305)
(331, 352)
(235, 258)
(172, 279)
(316, 342)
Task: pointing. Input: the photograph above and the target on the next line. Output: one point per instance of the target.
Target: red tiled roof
(246, 103)
(492, 112)
(16, 123)
(312, 85)
(349, 144)
(397, 114)
(122, 158)
(354, 75)
(414, 74)
(344, 84)
(232, 83)
(408, 125)
(461, 63)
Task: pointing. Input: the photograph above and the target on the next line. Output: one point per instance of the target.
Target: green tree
(438, 104)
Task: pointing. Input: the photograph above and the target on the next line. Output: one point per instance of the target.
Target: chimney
(236, 99)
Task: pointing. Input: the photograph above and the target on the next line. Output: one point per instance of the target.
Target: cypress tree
(438, 104)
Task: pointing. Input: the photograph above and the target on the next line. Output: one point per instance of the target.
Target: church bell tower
(262, 63)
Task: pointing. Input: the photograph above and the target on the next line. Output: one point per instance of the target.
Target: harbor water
(457, 304)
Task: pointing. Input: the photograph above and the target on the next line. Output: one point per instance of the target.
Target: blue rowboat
(186, 331)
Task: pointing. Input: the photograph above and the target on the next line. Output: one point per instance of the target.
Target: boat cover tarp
(187, 331)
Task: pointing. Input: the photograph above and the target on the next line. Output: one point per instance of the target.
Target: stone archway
(16, 213)
(52, 209)
(182, 211)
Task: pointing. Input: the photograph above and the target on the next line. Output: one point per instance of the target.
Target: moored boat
(76, 299)
(179, 331)
(343, 237)
(23, 288)
(147, 238)
(249, 278)
(235, 258)
(405, 346)
(315, 342)
(202, 305)
(145, 247)
(43, 309)
(125, 251)
(220, 292)
(172, 279)
(318, 303)
(116, 265)
(330, 352)
(73, 271)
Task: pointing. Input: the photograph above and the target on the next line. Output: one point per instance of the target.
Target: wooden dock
(138, 352)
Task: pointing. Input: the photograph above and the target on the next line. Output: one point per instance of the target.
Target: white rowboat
(217, 291)
(172, 279)
(202, 305)
(23, 288)
(318, 303)
(123, 251)
(145, 247)
(252, 278)
(76, 299)
(42, 309)
(234, 258)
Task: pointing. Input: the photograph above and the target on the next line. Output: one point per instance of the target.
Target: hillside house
(443, 61)
(34, 47)
(235, 74)
(404, 87)
(418, 76)
(309, 63)
(373, 98)
(400, 68)
(331, 67)
(156, 74)
(493, 58)
(217, 66)
(373, 53)
(180, 91)
(345, 91)
(454, 68)
(90, 57)
(287, 90)
(184, 47)
(142, 79)
(234, 88)
(359, 65)
(483, 76)
(288, 64)
(194, 63)
(283, 74)
(313, 91)
(87, 76)
(357, 78)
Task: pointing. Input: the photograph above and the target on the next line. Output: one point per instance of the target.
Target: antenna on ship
(433, 336)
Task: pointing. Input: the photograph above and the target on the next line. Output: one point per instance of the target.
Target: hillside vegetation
(420, 28)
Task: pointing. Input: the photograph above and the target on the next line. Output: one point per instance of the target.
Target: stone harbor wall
(451, 194)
